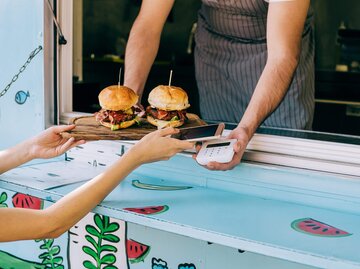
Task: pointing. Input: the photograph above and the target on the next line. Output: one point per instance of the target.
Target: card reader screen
(218, 145)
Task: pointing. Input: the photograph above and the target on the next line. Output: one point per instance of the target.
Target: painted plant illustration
(50, 258)
(3, 198)
(99, 237)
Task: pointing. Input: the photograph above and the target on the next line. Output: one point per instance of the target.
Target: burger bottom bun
(164, 123)
(122, 125)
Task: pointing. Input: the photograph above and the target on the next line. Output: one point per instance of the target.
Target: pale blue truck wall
(22, 107)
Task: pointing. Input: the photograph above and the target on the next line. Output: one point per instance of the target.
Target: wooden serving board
(88, 128)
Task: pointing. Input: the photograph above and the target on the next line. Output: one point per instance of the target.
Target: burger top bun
(168, 98)
(117, 97)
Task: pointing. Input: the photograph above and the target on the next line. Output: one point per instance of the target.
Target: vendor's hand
(50, 143)
(158, 145)
(239, 148)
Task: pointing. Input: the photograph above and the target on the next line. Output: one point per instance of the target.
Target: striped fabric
(230, 55)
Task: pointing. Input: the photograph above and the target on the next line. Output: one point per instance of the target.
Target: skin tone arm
(143, 42)
(47, 144)
(59, 217)
(285, 24)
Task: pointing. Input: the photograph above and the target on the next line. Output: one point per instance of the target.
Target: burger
(117, 107)
(168, 106)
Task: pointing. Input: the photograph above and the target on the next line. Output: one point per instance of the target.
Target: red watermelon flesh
(314, 227)
(136, 252)
(22, 200)
(150, 210)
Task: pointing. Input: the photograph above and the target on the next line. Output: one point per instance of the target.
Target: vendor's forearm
(285, 24)
(269, 92)
(139, 57)
(143, 43)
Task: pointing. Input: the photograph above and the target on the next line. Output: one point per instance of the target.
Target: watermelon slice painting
(149, 210)
(317, 228)
(22, 200)
(136, 252)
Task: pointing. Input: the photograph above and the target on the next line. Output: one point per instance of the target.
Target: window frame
(325, 156)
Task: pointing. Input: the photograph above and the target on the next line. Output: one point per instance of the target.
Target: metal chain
(22, 69)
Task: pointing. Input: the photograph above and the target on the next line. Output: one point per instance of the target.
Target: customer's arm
(20, 224)
(47, 144)
(143, 43)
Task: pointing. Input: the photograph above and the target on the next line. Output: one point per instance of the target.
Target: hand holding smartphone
(200, 133)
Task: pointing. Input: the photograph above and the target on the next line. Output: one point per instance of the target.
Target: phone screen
(197, 132)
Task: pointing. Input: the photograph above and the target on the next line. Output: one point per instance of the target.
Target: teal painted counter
(249, 208)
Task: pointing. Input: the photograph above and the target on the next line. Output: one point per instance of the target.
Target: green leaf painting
(8, 261)
(3, 198)
(99, 236)
(50, 258)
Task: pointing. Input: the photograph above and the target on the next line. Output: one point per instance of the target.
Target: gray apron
(230, 55)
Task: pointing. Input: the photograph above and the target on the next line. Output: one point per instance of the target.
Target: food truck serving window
(277, 146)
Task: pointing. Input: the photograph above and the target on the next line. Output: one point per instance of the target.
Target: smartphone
(200, 133)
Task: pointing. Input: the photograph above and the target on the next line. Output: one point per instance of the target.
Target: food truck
(293, 202)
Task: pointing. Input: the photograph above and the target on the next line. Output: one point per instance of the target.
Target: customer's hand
(239, 148)
(158, 145)
(50, 143)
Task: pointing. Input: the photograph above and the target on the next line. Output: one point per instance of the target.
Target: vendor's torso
(230, 55)
(234, 18)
